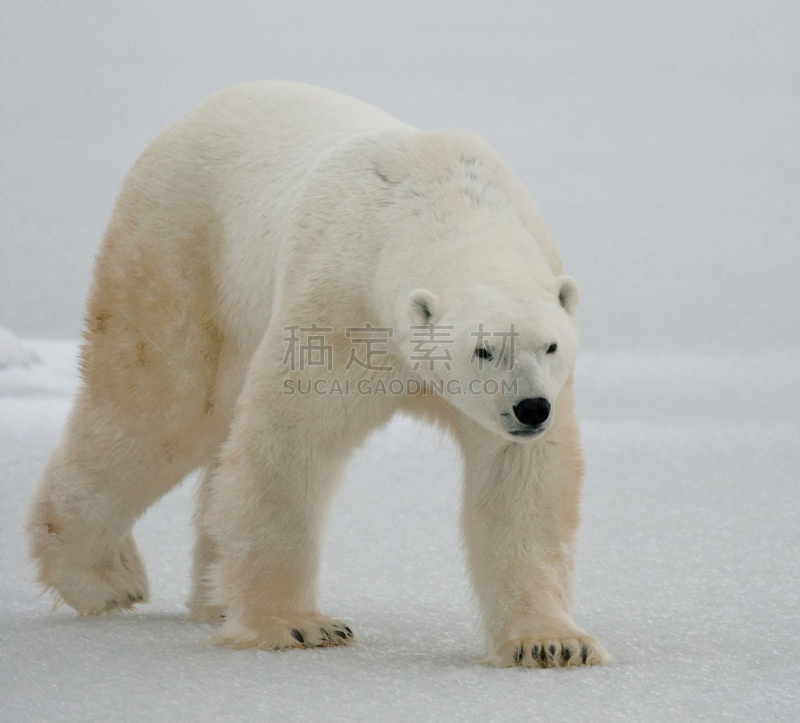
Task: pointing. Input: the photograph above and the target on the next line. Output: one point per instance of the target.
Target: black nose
(532, 412)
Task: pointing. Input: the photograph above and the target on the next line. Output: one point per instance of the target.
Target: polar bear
(284, 269)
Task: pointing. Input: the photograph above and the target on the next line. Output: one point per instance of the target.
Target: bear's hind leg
(116, 458)
(205, 554)
(81, 538)
(159, 380)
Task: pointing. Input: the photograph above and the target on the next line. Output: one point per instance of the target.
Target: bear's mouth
(527, 433)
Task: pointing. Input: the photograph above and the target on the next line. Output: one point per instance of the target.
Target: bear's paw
(210, 614)
(549, 652)
(276, 633)
(107, 576)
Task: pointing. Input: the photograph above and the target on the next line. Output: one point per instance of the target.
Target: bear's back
(279, 121)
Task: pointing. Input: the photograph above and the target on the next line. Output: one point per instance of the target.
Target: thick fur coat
(269, 210)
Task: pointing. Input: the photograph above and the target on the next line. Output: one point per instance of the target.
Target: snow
(689, 572)
(660, 142)
(13, 352)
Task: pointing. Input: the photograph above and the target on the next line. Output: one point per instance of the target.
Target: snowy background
(661, 145)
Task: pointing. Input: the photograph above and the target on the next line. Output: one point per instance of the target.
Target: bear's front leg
(263, 513)
(519, 519)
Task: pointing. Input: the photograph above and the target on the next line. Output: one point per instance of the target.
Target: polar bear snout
(532, 412)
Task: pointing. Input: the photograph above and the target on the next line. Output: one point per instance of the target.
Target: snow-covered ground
(689, 572)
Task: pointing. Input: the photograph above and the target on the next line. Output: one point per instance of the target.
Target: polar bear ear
(422, 305)
(568, 293)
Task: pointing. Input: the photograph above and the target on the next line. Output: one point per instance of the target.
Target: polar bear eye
(484, 353)
(552, 348)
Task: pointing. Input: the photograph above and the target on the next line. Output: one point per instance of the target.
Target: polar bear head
(500, 352)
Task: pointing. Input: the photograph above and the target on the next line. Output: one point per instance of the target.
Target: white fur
(275, 204)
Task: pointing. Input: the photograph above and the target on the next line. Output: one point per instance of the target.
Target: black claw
(518, 654)
(535, 651)
(349, 632)
(567, 653)
(326, 634)
(553, 651)
(298, 636)
(341, 634)
(584, 654)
